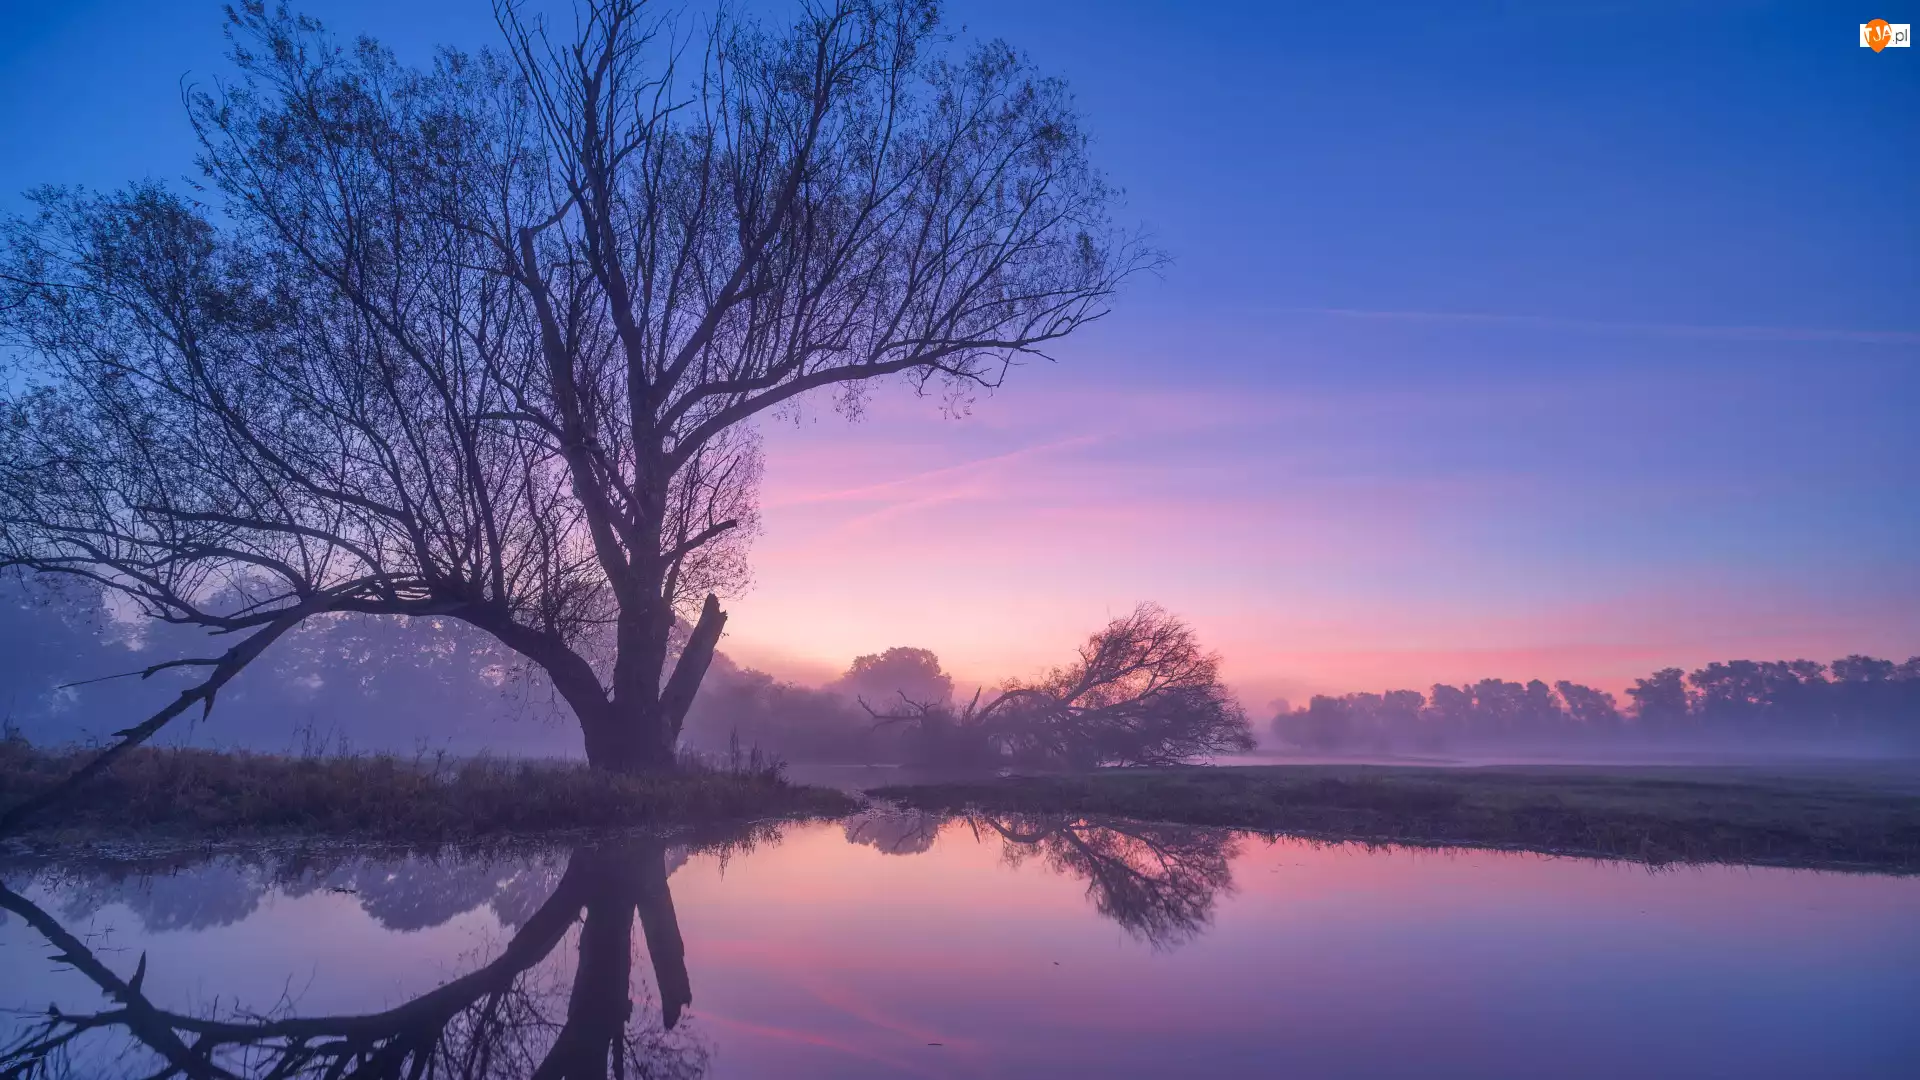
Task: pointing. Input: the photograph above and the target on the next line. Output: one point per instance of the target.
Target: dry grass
(203, 792)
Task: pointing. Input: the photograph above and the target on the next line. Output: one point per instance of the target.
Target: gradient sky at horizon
(1566, 340)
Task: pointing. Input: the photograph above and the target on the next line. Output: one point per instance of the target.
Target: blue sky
(1566, 340)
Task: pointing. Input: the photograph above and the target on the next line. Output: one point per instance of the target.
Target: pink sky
(1001, 538)
(1550, 379)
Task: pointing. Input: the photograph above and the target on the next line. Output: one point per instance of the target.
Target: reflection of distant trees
(401, 892)
(193, 897)
(1857, 702)
(512, 1017)
(418, 892)
(1159, 882)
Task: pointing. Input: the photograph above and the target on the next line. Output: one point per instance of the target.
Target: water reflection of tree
(894, 832)
(510, 1017)
(1159, 882)
(192, 897)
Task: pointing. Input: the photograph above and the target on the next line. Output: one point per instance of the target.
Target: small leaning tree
(485, 341)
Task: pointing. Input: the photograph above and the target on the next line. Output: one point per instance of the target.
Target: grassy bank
(1839, 819)
(201, 792)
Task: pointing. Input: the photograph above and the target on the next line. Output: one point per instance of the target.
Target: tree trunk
(629, 740)
(638, 730)
(661, 928)
(635, 727)
(617, 879)
(614, 737)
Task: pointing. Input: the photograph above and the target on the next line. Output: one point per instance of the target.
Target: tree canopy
(1857, 704)
(483, 340)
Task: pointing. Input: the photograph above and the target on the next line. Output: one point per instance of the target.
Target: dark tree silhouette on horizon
(898, 672)
(484, 341)
(1858, 705)
(1140, 691)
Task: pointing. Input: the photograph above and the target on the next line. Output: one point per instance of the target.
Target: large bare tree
(485, 340)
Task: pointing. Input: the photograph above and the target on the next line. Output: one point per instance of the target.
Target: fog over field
(357, 683)
(866, 538)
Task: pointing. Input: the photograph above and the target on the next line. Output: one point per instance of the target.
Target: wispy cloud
(918, 482)
(1603, 326)
(983, 478)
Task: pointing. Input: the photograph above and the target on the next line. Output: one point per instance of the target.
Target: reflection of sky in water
(1051, 947)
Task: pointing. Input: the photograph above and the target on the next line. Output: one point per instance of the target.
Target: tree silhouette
(898, 672)
(1866, 706)
(498, 1020)
(1661, 698)
(1159, 882)
(482, 341)
(1141, 691)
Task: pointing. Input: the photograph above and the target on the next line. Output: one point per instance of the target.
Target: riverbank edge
(178, 795)
(1653, 815)
(1855, 820)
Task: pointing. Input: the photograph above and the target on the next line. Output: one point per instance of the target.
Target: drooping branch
(147, 672)
(149, 1024)
(229, 664)
(1141, 692)
(487, 1011)
(493, 336)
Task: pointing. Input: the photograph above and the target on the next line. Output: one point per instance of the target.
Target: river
(909, 945)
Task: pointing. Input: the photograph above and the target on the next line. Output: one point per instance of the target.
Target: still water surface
(908, 945)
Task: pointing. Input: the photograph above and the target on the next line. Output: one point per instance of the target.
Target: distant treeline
(1140, 691)
(398, 685)
(70, 673)
(1855, 704)
(806, 723)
